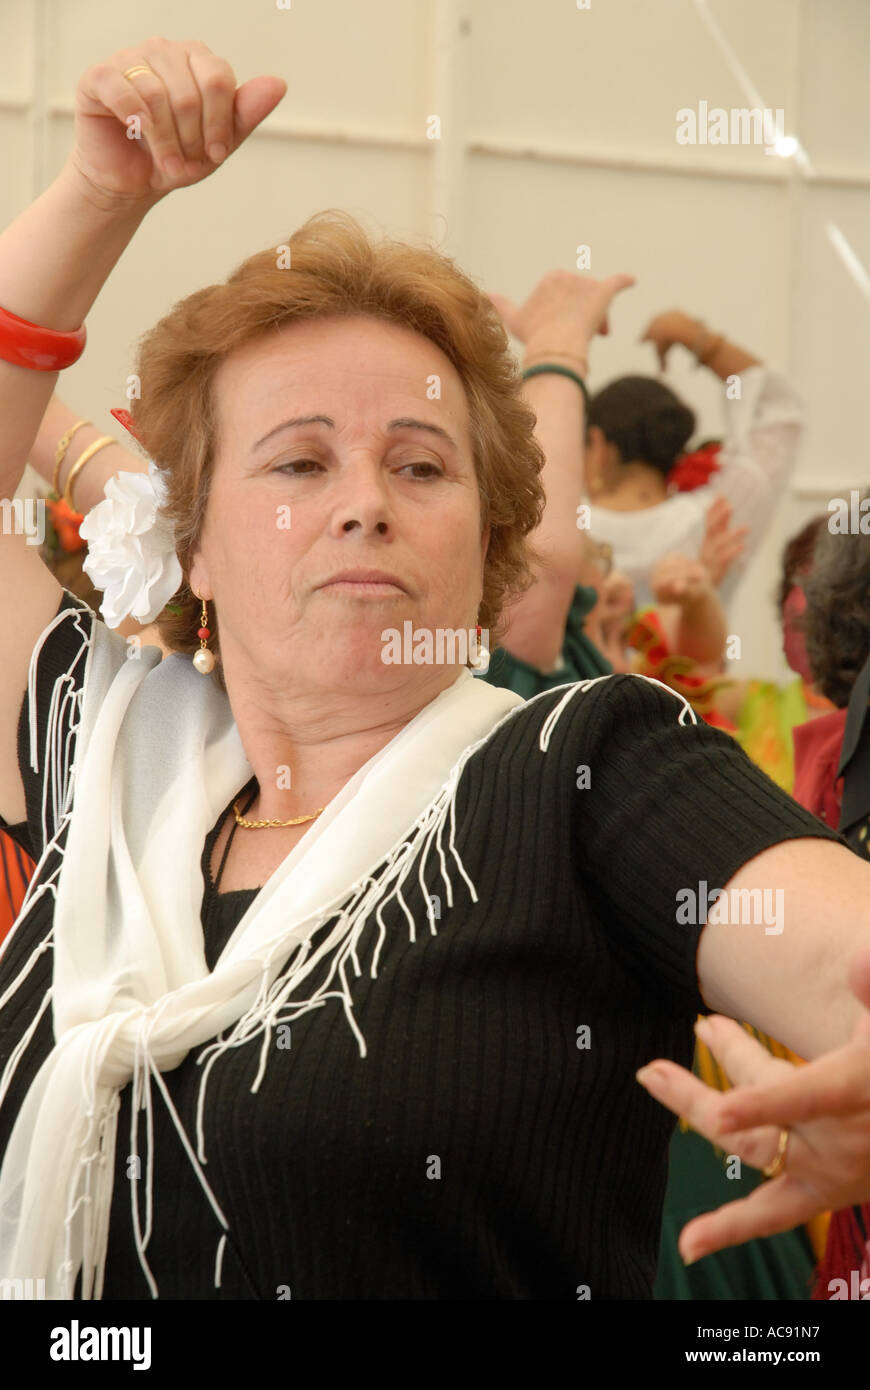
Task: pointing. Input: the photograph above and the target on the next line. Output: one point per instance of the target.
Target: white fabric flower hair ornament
(131, 548)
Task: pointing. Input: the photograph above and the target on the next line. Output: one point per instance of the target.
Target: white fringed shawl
(158, 757)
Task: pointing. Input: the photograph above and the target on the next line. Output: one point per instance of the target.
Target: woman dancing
(335, 972)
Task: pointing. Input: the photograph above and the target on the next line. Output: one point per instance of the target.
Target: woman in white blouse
(636, 430)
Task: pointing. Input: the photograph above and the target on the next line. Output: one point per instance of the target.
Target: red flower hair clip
(696, 469)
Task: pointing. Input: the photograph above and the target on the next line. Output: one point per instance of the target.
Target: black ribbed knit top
(493, 1143)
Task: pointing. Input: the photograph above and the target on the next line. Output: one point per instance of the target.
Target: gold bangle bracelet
(60, 453)
(80, 463)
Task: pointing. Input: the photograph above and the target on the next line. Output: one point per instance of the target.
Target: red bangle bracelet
(41, 349)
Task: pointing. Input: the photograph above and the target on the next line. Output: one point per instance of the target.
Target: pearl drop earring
(204, 659)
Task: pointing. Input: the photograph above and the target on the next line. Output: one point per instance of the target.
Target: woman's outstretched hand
(722, 543)
(825, 1105)
(678, 578)
(563, 311)
(664, 330)
(168, 126)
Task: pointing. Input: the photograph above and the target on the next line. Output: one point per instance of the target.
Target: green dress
(777, 1267)
(581, 659)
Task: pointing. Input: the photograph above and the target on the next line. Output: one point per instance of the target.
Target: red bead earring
(204, 659)
(480, 661)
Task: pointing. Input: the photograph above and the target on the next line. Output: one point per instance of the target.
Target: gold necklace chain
(271, 824)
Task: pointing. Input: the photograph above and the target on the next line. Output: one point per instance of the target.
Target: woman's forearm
(696, 628)
(558, 404)
(535, 624)
(91, 480)
(54, 260)
(727, 359)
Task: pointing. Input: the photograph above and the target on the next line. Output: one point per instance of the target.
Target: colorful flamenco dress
(646, 636)
(769, 716)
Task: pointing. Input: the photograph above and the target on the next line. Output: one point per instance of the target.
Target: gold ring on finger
(134, 72)
(776, 1167)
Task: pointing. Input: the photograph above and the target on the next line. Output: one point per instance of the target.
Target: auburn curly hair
(336, 269)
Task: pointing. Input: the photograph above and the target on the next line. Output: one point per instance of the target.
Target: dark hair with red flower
(646, 421)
